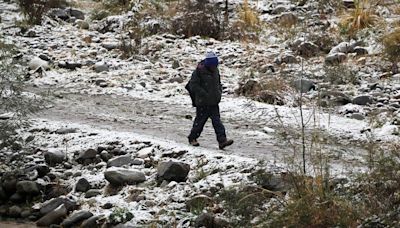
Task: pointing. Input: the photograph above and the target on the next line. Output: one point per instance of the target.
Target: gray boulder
(363, 100)
(28, 187)
(118, 177)
(335, 59)
(64, 131)
(14, 211)
(53, 157)
(58, 14)
(37, 62)
(53, 217)
(92, 193)
(76, 218)
(344, 47)
(210, 220)
(110, 45)
(82, 185)
(304, 85)
(101, 67)
(360, 51)
(94, 221)
(55, 203)
(87, 154)
(120, 161)
(76, 13)
(173, 171)
(307, 49)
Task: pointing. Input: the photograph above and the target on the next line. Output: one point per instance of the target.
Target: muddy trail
(172, 122)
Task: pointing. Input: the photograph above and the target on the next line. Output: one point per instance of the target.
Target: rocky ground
(110, 146)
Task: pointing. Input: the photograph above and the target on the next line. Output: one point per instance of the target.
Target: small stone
(37, 62)
(82, 185)
(304, 85)
(76, 218)
(55, 203)
(28, 187)
(357, 116)
(17, 198)
(120, 161)
(101, 67)
(54, 156)
(87, 154)
(363, 100)
(145, 152)
(118, 177)
(92, 193)
(335, 59)
(94, 221)
(14, 211)
(173, 171)
(175, 64)
(76, 13)
(360, 51)
(54, 217)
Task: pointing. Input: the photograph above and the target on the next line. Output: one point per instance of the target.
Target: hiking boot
(225, 143)
(194, 142)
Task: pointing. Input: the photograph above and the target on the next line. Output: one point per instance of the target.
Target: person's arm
(195, 84)
(219, 80)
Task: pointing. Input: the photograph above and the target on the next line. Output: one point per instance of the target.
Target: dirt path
(158, 119)
(173, 121)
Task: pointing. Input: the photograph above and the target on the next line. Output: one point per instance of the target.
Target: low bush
(33, 10)
(363, 16)
(247, 26)
(197, 19)
(391, 44)
(12, 97)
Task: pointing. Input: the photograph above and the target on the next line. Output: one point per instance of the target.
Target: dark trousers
(202, 115)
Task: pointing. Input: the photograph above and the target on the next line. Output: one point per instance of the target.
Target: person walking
(205, 90)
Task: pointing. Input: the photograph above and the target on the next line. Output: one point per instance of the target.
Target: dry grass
(248, 24)
(363, 16)
(391, 43)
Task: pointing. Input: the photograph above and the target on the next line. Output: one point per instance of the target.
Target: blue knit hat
(211, 59)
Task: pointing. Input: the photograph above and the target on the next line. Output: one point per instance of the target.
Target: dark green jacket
(206, 86)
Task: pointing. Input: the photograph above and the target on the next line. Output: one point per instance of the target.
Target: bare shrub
(247, 26)
(199, 18)
(33, 10)
(12, 98)
(391, 44)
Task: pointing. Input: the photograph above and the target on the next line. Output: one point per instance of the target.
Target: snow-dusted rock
(363, 100)
(172, 171)
(54, 156)
(307, 49)
(82, 185)
(28, 187)
(87, 154)
(82, 24)
(336, 58)
(52, 204)
(53, 217)
(76, 13)
(94, 221)
(100, 67)
(145, 152)
(118, 177)
(37, 62)
(76, 218)
(343, 47)
(120, 161)
(304, 85)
